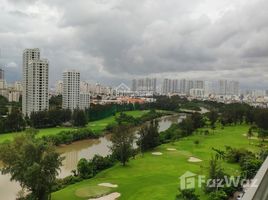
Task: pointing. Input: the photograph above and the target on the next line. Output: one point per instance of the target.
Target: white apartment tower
(71, 90)
(35, 82)
(37, 86)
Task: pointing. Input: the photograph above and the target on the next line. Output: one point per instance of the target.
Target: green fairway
(100, 125)
(157, 177)
(97, 126)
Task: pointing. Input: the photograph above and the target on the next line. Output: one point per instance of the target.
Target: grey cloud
(116, 40)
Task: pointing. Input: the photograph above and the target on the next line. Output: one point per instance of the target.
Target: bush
(67, 137)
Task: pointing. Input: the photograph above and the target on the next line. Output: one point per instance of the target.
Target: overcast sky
(110, 41)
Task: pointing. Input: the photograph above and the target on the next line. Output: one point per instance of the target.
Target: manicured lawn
(100, 125)
(157, 177)
(97, 126)
(42, 132)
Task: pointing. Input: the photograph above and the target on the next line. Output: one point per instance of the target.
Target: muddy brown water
(73, 153)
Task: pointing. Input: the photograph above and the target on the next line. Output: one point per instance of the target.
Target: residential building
(170, 86)
(84, 101)
(144, 85)
(37, 86)
(71, 90)
(28, 55)
(59, 88)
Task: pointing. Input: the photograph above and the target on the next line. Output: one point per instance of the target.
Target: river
(74, 152)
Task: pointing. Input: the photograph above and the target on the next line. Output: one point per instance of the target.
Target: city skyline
(175, 39)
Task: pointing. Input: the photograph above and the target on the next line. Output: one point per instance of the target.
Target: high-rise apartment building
(37, 86)
(71, 90)
(35, 82)
(170, 86)
(226, 87)
(144, 85)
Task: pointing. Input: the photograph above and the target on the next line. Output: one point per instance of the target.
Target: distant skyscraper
(234, 88)
(170, 86)
(183, 84)
(144, 85)
(71, 90)
(2, 74)
(222, 87)
(35, 82)
(226, 87)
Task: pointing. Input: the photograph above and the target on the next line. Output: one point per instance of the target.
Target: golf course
(155, 175)
(96, 126)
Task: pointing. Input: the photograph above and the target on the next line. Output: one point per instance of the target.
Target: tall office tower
(37, 86)
(2, 74)
(71, 90)
(28, 55)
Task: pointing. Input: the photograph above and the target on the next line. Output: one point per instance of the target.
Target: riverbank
(149, 173)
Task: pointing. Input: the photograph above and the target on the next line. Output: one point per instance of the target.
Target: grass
(157, 177)
(100, 125)
(97, 126)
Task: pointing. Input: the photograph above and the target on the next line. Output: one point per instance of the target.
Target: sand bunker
(171, 149)
(112, 196)
(157, 153)
(108, 185)
(193, 159)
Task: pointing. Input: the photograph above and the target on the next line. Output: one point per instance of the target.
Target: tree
(122, 143)
(197, 120)
(218, 195)
(55, 102)
(215, 173)
(83, 168)
(261, 121)
(14, 121)
(213, 117)
(187, 126)
(250, 166)
(149, 136)
(32, 163)
(187, 194)
(79, 118)
(3, 105)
